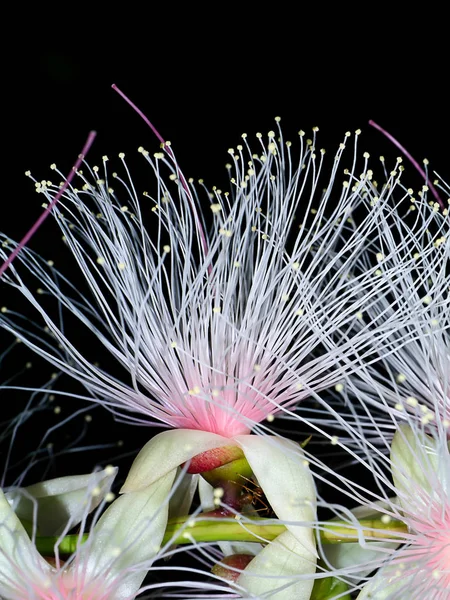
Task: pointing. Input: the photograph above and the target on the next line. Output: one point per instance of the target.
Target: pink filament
(170, 153)
(411, 159)
(23, 242)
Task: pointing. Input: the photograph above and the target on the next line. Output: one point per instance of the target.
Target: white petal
(206, 493)
(19, 558)
(388, 583)
(129, 532)
(181, 500)
(165, 452)
(284, 476)
(353, 560)
(63, 502)
(284, 565)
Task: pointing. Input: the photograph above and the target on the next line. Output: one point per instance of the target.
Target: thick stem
(185, 530)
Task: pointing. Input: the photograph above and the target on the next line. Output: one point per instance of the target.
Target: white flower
(217, 328)
(421, 568)
(406, 540)
(110, 565)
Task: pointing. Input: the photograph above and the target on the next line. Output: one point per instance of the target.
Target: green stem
(185, 530)
(340, 532)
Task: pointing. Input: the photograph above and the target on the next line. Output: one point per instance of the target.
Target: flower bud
(230, 567)
(212, 459)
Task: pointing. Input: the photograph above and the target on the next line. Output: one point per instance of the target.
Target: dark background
(203, 76)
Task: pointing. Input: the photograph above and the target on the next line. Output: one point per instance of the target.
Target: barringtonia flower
(421, 567)
(405, 501)
(219, 327)
(109, 565)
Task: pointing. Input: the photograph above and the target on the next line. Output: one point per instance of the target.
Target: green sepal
(329, 588)
(232, 471)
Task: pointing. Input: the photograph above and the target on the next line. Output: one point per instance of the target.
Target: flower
(401, 525)
(399, 402)
(110, 565)
(218, 328)
(421, 567)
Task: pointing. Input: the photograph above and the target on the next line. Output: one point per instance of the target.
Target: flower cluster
(292, 336)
